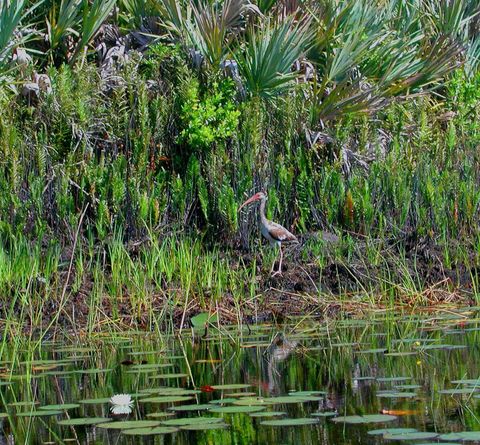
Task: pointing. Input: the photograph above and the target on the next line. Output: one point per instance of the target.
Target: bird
(273, 232)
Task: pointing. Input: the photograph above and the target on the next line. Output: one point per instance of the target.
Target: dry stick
(64, 291)
(310, 278)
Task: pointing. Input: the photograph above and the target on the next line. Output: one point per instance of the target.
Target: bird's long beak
(248, 201)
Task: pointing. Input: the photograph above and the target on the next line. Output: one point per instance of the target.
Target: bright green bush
(208, 118)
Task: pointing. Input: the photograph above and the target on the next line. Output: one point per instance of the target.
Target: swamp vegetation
(131, 130)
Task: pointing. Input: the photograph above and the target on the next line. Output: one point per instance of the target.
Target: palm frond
(62, 21)
(213, 26)
(174, 17)
(94, 15)
(266, 62)
(10, 15)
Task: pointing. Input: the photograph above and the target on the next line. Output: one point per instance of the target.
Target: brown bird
(273, 232)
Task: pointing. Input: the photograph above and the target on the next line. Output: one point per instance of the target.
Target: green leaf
(84, 421)
(192, 421)
(200, 321)
(150, 431)
(127, 424)
(370, 418)
(290, 422)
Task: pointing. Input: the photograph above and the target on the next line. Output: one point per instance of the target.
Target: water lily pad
(370, 418)
(177, 375)
(224, 401)
(268, 414)
(59, 373)
(402, 387)
(40, 413)
(93, 371)
(325, 414)
(393, 379)
(400, 354)
(383, 431)
(290, 422)
(440, 346)
(171, 392)
(231, 386)
(396, 394)
(191, 407)
(148, 367)
(166, 399)
(236, 409)
(150, 431)
(200, 321)
(65, 406)
(243, 394)
(455, 391)
(25, 403)
(160, 414)
(98, 401)
(291, 399)
(471, 382)
(126, 424)
(250, 401)
(204, 426)
(307, 393)
(462, 435)
(411, 436)
(84, 421)
(372, 351)
(192, 421)
(255, 345)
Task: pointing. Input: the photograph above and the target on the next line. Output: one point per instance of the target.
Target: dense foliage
(151, 116)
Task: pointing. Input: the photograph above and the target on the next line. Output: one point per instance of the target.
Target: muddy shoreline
(305, 288)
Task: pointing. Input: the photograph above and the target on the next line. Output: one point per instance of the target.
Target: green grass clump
(131, 133)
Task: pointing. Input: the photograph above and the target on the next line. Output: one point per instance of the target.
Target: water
(395, 368)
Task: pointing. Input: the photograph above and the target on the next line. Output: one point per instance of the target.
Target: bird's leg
(281, 259)
(271, 269)
(279, 271)
(273, 266)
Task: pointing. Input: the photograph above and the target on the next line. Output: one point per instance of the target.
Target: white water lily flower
(122, 404)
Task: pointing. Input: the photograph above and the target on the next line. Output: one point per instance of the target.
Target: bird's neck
(263, 218)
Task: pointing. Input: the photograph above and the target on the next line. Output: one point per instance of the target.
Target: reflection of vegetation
(327, 358)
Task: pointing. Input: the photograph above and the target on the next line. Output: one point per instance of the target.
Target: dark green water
(395, 365)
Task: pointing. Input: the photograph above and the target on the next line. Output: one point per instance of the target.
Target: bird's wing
(280, 233)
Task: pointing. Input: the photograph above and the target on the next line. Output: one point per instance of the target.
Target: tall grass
(167, 124)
